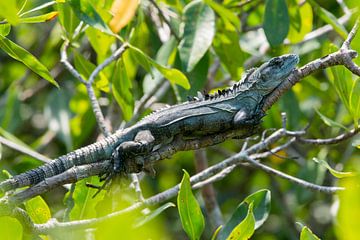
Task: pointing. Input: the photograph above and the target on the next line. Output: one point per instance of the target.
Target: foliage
(176, 48)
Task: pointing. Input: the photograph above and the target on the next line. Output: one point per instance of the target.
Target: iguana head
(270, 74)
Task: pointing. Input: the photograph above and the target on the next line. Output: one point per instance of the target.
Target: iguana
(236, 107)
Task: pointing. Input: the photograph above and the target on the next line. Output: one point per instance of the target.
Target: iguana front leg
(124, 155)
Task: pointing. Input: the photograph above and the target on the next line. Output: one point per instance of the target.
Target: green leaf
(38, 210)
(20, 54)
(329, 18)
(172, 74)
(100, 42)
(354, 102)
(306, 23)
(122, 90)
(261, 208)
(190, 213)
(153, 214)
(227, 47)
(9, 11)
(67, 18)
(330, 122)
(276, 21)
(85, 68)
(334, 172)
(144, 60)
(216, 233)
(5, 29)
(87, 13)
(224, 13)
(306, 234)
(245, 229)
(57, 114)
(40, 18)
(199, 31)
(342, 81)
(11, 229)
(84, 203)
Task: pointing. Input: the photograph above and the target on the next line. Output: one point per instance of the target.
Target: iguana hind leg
(124, 155)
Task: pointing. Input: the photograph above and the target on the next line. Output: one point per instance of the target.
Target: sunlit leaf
(329, 122)
(172, 74)
(261, 207)
(38, 210)
(354, 102)
(329, 18)
(307, 234)
(190, 213)
(85, 68)
(245, 229)
(122, 90)
(20, 54)
(9, 10)
(276, 21)
(199, 30)
(227, 47)
(334, 172)
(67, 18)
(5, 29)
(11, 229)
(123, 11)
(84, 202)
(100, 42)
(40, 18)
(347, 227)
(306, 23)
(153, 214)
(224, 13)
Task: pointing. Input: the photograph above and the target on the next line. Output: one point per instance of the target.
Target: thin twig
(302, 183)
(329, 141)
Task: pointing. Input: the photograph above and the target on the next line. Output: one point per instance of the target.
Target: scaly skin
(233, 108)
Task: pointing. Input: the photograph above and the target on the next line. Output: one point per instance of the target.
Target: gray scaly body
(232, 108)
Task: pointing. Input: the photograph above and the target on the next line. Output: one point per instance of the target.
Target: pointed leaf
(330, 122)
(199, 31)
(334, 172)
(261, 208)
(123, 12)
(224, 13)
(306, 234)
(67, 18)
(122, 90)
(153, 214)
(20, 54)
(172, 74)
(306, 23)
(245, 229)
(38, 210)
(40, 18)
(87, 13)
(276, 21)
(190, 213)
